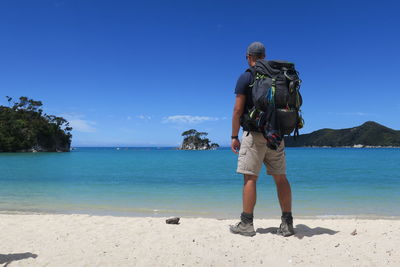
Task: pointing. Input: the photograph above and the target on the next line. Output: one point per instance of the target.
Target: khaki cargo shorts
(254, 151)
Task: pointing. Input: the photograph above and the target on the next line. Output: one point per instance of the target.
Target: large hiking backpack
(277, 100)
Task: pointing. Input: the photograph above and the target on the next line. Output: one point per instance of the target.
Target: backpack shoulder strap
(252, 70)
(253, 73)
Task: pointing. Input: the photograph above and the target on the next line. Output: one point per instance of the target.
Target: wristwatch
(235, 137)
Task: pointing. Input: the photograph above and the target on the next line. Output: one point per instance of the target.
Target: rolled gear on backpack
(266, 123)
(277, 100)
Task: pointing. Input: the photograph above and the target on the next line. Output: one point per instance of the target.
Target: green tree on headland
(194, 140)
(24, 127)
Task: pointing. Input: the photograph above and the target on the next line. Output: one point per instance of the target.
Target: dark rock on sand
(174, 220)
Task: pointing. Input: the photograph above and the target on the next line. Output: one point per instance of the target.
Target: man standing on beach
(253, 151)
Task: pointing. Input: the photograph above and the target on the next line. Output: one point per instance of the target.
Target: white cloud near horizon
(144, 117)
(357, 113)
(82, 125)
(78, 124)
(189, 119)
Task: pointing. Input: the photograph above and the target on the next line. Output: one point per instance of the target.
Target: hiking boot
(286, 227)
(246, 229)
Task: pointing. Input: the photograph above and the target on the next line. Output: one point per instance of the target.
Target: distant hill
(368, 134)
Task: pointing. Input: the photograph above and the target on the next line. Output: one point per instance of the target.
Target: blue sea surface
(164, 182)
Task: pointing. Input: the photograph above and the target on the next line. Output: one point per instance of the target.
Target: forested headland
(24, 127)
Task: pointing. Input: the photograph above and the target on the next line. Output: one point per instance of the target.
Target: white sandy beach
(83, 240)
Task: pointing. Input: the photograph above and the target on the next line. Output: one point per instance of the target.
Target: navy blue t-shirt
(243, 88)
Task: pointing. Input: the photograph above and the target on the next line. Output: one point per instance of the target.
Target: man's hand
(235, 145)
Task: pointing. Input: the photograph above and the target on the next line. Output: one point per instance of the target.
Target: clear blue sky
(138, 73)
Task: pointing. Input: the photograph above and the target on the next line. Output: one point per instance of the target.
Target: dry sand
(83, 240)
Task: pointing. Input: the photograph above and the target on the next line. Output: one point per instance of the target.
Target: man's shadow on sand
(8, 258)
(300, 231)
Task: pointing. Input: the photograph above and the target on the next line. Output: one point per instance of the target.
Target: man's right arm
(237, 113)
(242, 86)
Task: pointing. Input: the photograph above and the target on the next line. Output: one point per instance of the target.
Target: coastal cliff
(369, 134)
(25, 128)
(194, 140)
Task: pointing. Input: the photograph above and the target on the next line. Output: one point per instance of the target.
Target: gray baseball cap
(256, 49)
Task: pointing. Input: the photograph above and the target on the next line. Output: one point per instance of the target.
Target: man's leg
(249, 193)
(284, 192)
(245, 226)
(251, 155)
(285, 201)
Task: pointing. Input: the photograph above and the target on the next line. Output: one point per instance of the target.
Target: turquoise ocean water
(166, 182)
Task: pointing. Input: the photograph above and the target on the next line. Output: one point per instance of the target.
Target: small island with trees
(194, 140)
(25, 128)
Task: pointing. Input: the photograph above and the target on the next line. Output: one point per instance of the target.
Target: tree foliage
(24, 126)
(189, 133)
